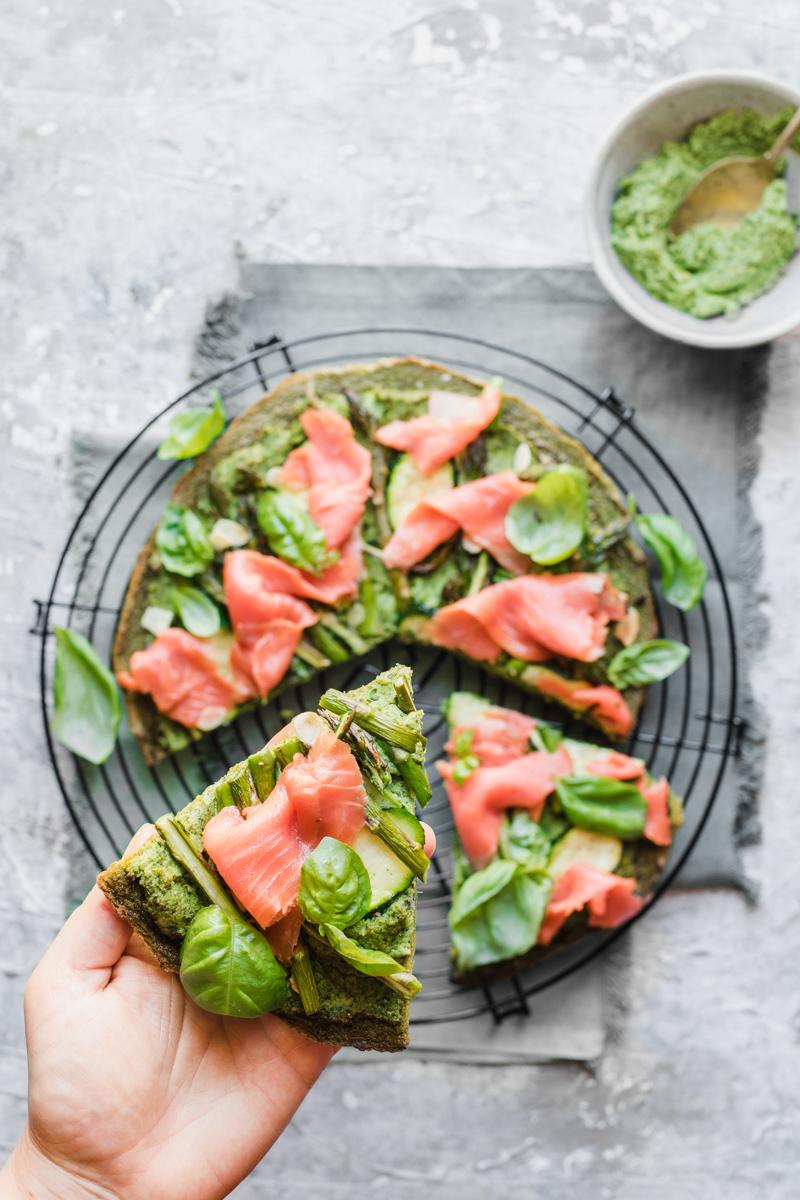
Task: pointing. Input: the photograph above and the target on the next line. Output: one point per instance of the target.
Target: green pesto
(706, 271)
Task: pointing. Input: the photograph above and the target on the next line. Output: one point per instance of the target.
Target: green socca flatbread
(227, 479)
(155, 890)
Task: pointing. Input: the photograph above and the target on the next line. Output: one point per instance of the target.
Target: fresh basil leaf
(523, 841)
(609, 806)
(464, 762)
(480, 887)
(292, 533)
(646, 662)
(334, 885)
(227, 966)
(463, 743)
(501, 915)
(198, 613)
(549, 523)
(552, 824)
(192, 432)
(545, 736)
(372, 962)
(683, 572)
(182, 542)
(463, 768)
(87, 709)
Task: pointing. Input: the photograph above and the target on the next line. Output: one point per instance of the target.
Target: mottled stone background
(143, 148)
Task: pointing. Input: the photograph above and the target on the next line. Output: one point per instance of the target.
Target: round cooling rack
(687, 729)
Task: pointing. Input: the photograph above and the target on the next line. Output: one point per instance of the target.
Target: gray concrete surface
(142, 148)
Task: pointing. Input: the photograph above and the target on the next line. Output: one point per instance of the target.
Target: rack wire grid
(688, 729)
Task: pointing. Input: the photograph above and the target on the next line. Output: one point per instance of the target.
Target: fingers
(93, 938)
(429, 847)
(139, 838)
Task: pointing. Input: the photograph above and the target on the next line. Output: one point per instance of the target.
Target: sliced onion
(211, 718)
(523, 457)
(308, 726)
(228, 534)
(453, 407)
(156, 620)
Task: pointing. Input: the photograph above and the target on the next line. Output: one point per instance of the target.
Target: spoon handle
(785, 136)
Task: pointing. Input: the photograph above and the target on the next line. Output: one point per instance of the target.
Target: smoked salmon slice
(327, 791)
(478, 803)
(535, 617)
(606, 705)
(267, 625)
(614, 765)
(334, 471)
(259, 851)
(452, 421)
(478, 509)
(610, 899)
(190, 680)
(245, 570)
(657, 827)
(499, 735)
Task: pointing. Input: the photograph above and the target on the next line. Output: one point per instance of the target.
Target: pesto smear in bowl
(706, 271)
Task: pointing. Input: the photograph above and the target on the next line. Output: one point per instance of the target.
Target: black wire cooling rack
(688, 729)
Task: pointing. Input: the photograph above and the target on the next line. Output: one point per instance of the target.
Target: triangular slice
(552, 836)
(290, 885)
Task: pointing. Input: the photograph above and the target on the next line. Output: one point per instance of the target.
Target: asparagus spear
(206, 881)
(328, 644)
(262, 769)
(382, 823)
(303, 979)
(311, 655)
(372, 720)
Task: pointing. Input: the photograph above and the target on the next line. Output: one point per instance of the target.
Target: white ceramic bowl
(664, 114)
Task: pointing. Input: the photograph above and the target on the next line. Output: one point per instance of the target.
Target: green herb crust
(159, 898)
(224, 483)
(705, 271)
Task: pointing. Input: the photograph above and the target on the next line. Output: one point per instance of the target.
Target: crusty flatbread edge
(363, 1032)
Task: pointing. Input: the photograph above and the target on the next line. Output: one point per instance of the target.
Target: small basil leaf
(683, 572)
(87, 708)
(463, 768)
(227, 966)
(191, 433)
(545, 736)
(501, 916)
(608, 806)
(552, 824)
(465, 762)
(334, 885)
(480, 887)
(372, 962)
(292, 533)
(523, 841)
(182, 542)
(463, 743)
(549, 523)
(646, 662)
(198, 614)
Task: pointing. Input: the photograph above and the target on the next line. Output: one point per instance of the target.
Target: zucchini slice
(407, 487)
(579, 845)
(388, 876)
